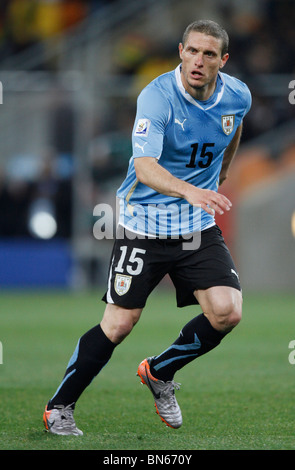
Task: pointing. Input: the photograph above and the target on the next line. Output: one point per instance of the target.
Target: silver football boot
(164, 395)
(60, 420)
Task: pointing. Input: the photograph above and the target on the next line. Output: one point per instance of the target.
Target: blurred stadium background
(71, 71)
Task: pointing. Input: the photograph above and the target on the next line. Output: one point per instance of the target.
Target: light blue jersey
(188, 138)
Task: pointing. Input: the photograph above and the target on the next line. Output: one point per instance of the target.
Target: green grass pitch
(239, 396)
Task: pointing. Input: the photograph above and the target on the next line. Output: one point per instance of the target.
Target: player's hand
(209, 200)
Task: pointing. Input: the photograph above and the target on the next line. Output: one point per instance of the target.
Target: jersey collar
(189, 98)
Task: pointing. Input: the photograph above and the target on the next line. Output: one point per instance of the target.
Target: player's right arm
(149, 172)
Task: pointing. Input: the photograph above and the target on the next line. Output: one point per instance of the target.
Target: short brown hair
(211, 29)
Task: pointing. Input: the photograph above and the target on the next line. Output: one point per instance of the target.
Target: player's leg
(125, 299)
(93, 351)
(203, 333)
(217, 289)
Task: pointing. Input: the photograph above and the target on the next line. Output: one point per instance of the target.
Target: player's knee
(118, 322)
(227, 313)
(227, 320)
(122, 330)
(233, 319)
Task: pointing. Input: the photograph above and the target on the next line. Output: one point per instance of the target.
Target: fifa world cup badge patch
(122, 283)
(228, 122)
(142, 127)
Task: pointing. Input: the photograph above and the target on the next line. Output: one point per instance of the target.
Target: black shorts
(138, 265)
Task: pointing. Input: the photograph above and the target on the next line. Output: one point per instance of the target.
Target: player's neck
(203, 93)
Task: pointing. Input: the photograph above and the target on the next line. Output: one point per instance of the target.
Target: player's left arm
(229, 154)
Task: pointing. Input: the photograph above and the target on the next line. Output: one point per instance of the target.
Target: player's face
(201, 60)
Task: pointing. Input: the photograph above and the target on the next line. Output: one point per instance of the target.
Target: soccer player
(186, 133)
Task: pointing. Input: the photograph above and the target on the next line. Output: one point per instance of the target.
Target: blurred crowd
(24, 23)
(262, 48)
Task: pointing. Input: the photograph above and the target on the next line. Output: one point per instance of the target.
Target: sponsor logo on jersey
(142, 128)
(141, 147)
(228, 122)
(181, 123)
(122, 283)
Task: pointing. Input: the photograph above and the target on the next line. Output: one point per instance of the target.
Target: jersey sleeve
(152, 117)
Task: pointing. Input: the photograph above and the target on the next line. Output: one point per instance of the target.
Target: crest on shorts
(122, 283)
(228, 122)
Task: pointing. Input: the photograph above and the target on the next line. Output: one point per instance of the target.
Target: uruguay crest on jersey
(228, 123)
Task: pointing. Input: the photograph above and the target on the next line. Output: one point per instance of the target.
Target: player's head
(203, 53)
(210, 28)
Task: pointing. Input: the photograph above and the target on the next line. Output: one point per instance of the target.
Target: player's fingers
(220, 208)
(222, 203)
(227, 201)
(206, 207)
(213, 202)
(217, 208)
(216, 199)
(212, 206)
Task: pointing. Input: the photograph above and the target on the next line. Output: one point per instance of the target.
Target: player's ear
(224, 60)
(180, 49)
